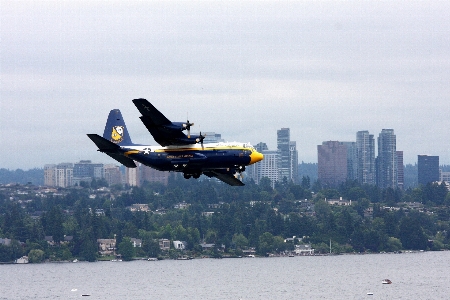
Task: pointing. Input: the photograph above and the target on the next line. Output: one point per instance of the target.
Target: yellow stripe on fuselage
(131, 152)
(203, 149)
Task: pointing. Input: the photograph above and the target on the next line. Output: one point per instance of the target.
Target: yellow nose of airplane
(255, 156)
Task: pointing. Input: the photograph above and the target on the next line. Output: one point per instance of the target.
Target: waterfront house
(5, 241)
(179, 245)
(136, 242)
(303, 250)
(22, 260)
(106, 246)
(164, 244)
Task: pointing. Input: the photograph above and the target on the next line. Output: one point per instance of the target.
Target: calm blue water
(414, 276)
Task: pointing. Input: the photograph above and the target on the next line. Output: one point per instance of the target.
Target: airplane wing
(164, 131)
(227, 178)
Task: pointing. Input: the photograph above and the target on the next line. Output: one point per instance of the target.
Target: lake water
(414, 276)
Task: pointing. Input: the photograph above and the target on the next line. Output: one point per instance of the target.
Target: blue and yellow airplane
(178, 152)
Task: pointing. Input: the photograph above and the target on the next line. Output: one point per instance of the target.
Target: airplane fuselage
(195, 159)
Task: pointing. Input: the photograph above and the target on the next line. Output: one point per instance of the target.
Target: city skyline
(245, 69)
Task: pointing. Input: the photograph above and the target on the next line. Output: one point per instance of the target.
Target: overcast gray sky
(325, 69)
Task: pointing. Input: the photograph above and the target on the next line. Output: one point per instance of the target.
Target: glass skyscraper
(386, 162)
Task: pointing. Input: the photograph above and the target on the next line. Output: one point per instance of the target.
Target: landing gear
(195, 175)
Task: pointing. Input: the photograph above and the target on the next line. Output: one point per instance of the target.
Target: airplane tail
(116, 130)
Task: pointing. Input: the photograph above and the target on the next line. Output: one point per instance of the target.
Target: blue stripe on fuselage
(170, 160)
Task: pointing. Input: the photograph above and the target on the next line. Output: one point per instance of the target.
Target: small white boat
(386, 281)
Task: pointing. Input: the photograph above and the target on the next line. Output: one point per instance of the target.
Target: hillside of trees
(34, 176)
(256, 216)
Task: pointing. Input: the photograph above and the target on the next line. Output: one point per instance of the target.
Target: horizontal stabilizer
(111, 150)
(103, 144)
(127, 162)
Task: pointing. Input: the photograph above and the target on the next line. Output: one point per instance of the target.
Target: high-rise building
(365, 157)
(386, 162)
(50, 175)
(284, 159)
(293, 157)
(332, 163)
(85, 171)
(260, 147)
(153, 175)
(352, 163)
(60, 175)
(400, 170)
(252, 170)
(112, 174)
(268, 167)
(444, 176)
(428, 169)
(132, 176)
(212, 137)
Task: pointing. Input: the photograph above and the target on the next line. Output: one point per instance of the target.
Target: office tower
(332, 163)
(153, 175)
(132, 176)
(352, 163)
(428, 169)
(268, 167)
(64, 174)
(365, 157)
(50, 175)
(444, 176)
(400, 170)
(386, 162)
(112, 174)
(60, 175)
(252, 170)
(212, 137)
(284, 163)
(293, 156)
(85, 171)
(260, 147)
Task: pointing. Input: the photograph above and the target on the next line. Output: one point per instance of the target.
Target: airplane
(177, 152)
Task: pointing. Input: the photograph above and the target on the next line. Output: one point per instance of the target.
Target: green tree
(126, 249)
(411, 232)
(87, 245)
(240, 241)
(393, 244)
(52, 222)
(36, 256)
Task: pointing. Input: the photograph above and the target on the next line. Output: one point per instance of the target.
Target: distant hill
(35, 176)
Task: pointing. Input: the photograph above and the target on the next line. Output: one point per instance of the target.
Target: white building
(60, 175)
(179, 245)
(268, 167)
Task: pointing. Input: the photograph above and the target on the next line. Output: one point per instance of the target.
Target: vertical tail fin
(116, 130)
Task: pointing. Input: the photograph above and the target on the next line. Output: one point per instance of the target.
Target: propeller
(200, 139)
(188, 127)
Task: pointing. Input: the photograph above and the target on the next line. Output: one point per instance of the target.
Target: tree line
(256, 216)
